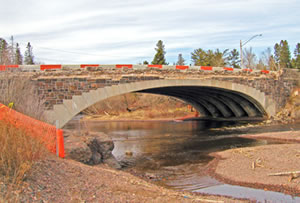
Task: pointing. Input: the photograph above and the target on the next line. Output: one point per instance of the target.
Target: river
(175, 154)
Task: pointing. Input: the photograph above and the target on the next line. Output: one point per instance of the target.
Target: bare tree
(180, 60)
(21, 91)
(268, 59)
(249, 58)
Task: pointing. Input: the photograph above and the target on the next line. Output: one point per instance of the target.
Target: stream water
(175, 154)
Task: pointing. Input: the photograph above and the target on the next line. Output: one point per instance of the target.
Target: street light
(243, 44)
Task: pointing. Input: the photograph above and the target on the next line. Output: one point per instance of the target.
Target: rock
(112, 162)
(76, 150)
(90, 148)
(96, 158)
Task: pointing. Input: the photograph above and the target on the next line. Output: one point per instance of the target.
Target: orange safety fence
(51, 137)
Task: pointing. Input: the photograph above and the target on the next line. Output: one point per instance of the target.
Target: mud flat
(255, 166)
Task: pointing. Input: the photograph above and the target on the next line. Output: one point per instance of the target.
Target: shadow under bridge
(212, 102)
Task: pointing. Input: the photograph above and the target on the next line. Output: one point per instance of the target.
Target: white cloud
(118, 31)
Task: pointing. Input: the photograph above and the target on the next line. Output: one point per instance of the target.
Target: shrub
(20, 90)
(18, 152)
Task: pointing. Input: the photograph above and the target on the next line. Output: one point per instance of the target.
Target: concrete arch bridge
(216, 92)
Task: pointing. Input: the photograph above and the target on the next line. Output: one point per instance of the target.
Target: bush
(18, 152)
(20, 90)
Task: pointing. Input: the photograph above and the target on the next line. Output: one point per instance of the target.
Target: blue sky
(115, 31)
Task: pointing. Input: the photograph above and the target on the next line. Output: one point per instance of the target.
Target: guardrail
(48, 134)
(127, 66)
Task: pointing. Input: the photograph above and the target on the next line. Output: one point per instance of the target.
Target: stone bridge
(216, 92)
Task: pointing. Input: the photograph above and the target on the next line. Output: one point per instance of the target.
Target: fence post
(57, 144)
(60, 149)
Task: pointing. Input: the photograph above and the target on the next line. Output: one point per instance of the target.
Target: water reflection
(168, 143)
(177, 153)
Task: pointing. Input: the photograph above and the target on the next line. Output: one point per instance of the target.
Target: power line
(71, 52)
(80, 53)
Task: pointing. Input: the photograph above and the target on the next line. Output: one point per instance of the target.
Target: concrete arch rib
(238, 105)
(66, 111)
(215, 109)
(233, 107)
(199, 107)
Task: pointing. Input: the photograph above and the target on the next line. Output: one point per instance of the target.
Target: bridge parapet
(65, 67)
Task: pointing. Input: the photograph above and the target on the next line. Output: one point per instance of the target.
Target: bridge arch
(211, 98)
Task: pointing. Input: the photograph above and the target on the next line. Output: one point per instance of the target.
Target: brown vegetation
(291, 111)
(138, 106)
(18, 152)
(19, 90)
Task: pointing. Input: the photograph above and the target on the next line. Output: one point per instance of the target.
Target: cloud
(83, 31)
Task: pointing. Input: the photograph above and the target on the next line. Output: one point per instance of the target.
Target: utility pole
(241, 53)
(243, 44)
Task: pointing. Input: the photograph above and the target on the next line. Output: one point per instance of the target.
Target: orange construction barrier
(48, 134)
(60, 143)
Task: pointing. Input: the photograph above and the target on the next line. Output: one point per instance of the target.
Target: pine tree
(180, 60)
(29, 58)
(219, 59)
(4, 52)
(282, 54)
(18, 56)
(199, 57)
(12, 50)
(159, 58)
(296, 60)
(234, 58)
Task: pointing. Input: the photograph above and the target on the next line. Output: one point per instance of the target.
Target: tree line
(10, 53)
(281, 58)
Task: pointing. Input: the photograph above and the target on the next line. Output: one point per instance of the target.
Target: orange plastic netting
(47, 133)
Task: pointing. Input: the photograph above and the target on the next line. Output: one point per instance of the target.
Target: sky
(118, 31)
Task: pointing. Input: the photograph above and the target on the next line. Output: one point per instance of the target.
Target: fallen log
(284, 173)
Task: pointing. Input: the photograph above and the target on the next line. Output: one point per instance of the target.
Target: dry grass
(18, 149)
(20, 90)
(18, 153)
(139, 106)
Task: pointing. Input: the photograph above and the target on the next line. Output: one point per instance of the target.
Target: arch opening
(214, 102)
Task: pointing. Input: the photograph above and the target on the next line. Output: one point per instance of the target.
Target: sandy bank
(251, 166)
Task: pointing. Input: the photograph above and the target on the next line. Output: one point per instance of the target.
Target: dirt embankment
(259, 166)
(58, 180)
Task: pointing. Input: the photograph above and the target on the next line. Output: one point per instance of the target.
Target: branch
(284, 173)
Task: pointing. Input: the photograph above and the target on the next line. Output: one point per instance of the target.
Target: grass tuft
(18, 152)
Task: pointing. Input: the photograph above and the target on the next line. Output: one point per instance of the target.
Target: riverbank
(128, 118)
(254, 166)
(63, 180)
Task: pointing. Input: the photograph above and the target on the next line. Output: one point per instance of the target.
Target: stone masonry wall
(56, 86)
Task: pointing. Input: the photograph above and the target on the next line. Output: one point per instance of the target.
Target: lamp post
(243, 44)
